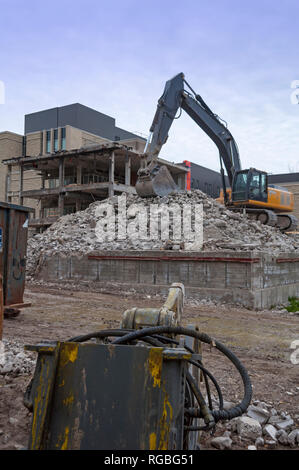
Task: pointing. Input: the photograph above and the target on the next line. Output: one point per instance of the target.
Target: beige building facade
(11, 144)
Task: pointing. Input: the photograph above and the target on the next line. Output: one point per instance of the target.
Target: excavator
(249, 190)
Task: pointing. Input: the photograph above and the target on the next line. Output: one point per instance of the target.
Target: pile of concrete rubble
(261, 427)
(222, 230)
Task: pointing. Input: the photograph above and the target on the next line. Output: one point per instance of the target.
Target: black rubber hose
(205, 372)
(213, 380)
(218, 415)
(205, 412)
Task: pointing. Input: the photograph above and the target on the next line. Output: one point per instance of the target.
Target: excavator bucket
(158, 182)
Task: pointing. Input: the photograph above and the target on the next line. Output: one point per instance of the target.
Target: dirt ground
(261, 340)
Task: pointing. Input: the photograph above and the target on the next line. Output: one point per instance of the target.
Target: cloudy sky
(115, 56)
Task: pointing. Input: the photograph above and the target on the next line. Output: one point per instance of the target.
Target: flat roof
(92, 149)
(7, 205)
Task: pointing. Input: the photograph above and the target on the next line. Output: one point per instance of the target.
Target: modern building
(200, 177)
(58, 129)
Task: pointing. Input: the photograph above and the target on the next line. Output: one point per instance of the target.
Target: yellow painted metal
(155, 365)
(43, 395)
(278, 200)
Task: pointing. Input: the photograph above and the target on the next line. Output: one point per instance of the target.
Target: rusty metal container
(13, 247)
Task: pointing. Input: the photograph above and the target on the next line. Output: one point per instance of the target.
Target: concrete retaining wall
(254, 280)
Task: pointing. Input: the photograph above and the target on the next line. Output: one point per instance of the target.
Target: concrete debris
(259, 442)
(227, 405)
(286, 424)
(222, 229)
(270, 431)
(293, 438)
(271, 443)
(269, 428)
(258, 413)
(282, 437)
(15, 361)
(252, 448)
(274, 420)
(222, 443)
(248, 428)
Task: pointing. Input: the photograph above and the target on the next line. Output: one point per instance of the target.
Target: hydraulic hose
(153, 336)
(218, 415)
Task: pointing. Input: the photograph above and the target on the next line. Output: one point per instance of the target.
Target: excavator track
(284, 222)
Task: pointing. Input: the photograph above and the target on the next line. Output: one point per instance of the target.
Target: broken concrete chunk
(270, 431)
(258, 413)
(282, 437)
(222, 442)
(293, 438)
(271, 443)
(274, 420)
(285, 424)
(259, 442)
(248, 427)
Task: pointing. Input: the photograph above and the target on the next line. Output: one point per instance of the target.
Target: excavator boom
(176, 97)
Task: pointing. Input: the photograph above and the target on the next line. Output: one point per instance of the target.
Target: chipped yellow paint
(111, 350)
(66, 438)
(155, 365)
(152, 441)
(38, 401)
(165, 423)
(69, 400)
(69, 353)
(185, 357)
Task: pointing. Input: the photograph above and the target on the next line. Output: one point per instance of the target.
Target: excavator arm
(249, 188)
(175, 97)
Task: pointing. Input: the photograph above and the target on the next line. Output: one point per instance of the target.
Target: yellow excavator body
(279, 200)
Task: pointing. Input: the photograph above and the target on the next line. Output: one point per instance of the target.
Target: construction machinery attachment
(155, 182)
(143, 386)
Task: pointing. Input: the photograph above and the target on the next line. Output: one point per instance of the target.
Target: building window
(51, 212)
(63, 146)
(24, 146)
(53, 183)
(48, 141)
(55, 140)
(69, 209)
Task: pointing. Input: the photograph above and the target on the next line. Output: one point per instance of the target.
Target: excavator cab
(250, 185)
